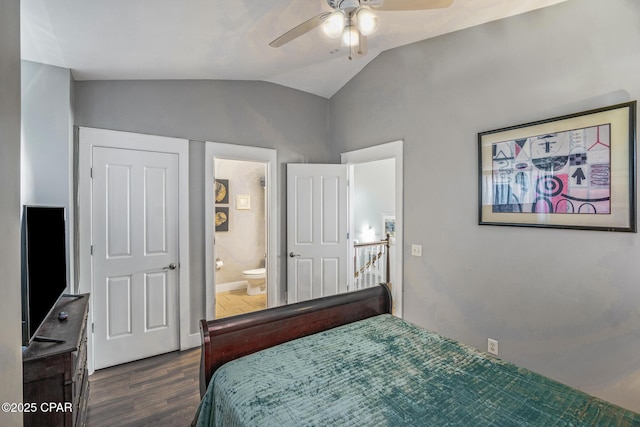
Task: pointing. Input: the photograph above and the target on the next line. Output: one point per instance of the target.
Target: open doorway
(376, 205)
(240, 236)
(241, 229)
(320, 232)
(373, 219)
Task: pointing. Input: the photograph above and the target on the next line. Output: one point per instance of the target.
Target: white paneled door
(317, 241)
(135, 254)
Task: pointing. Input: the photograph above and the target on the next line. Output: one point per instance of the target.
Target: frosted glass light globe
(367, 21)
(350, 36)
(334, 24)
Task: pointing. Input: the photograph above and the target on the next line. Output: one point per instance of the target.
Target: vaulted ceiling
(225, 39)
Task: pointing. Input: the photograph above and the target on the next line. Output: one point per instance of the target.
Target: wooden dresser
(56, 381)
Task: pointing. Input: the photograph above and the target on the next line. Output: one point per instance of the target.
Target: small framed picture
(221, 191)
(222, 219)
(388, 226)
(243, 202)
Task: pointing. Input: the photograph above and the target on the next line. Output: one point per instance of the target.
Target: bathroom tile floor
(238, 302)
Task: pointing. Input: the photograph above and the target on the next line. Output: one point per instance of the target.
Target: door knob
(292, 255)
(171, 266)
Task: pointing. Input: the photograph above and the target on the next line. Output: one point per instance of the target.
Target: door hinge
(91, 172)
(91, 250)
(93, 329)
(347, 236)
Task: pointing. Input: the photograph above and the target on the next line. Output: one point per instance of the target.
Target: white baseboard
(231, 286)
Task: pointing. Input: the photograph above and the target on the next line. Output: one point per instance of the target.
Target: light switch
(416, 250)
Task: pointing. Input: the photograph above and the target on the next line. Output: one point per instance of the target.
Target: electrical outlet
(416, 250)
(492, 346)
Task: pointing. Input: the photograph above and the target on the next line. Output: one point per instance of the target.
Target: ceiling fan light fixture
(367, 21)
(350, 36)
(334, 24)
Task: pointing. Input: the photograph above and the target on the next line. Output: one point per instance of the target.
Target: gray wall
(561, 302)
(10, 333)
(238, 112)
(47, 143)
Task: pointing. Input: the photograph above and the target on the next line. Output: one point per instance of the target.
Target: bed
(345, 360)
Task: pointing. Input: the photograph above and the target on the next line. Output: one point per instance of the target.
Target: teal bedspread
(384, 371)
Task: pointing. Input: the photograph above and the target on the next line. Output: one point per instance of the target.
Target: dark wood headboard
(224, 340)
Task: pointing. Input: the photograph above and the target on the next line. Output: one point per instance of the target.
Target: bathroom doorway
(240, 236)
(240, 226)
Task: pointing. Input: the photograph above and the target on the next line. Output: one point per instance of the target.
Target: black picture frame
(221, 191)
(221, 218)
(576, 171)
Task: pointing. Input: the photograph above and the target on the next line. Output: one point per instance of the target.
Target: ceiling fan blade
(408, 4)
(301, 29)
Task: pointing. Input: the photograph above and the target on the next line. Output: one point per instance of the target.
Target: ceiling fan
(354, 20)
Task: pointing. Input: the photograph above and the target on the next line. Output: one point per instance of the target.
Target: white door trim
(92, 137)
(381, 152)
(242, 152)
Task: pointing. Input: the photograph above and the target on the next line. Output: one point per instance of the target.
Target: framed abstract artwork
(575, 171)
(221, 191)
(222, 219)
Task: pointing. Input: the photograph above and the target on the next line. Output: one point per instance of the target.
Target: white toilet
(255, 280)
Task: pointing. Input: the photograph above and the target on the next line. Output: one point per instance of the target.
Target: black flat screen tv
(44, 265)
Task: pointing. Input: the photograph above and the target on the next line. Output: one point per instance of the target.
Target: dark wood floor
(159, 391)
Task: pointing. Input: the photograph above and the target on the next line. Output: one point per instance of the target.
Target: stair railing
(371, 263)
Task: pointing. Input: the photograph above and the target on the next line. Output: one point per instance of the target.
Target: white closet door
(135, 254)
